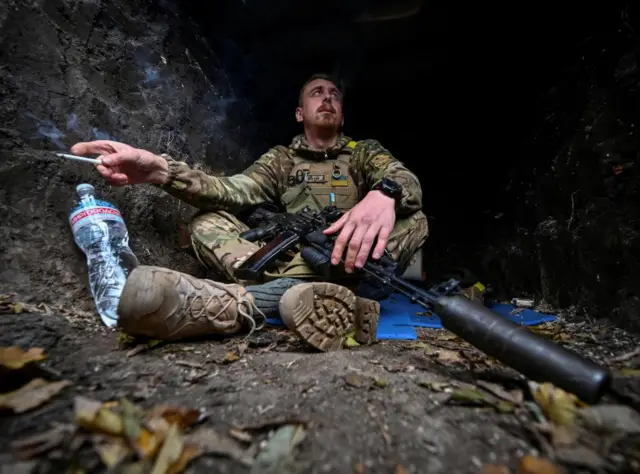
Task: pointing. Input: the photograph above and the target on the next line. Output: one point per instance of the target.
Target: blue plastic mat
(399, 316)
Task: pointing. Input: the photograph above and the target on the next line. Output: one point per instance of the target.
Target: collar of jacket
(302, 148)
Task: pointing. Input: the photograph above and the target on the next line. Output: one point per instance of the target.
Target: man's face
(321, 105)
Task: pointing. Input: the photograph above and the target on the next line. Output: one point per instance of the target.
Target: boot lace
(245, 307)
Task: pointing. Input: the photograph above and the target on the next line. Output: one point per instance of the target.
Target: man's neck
(321, 141)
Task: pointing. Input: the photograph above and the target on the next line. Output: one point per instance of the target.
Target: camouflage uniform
(294, 177)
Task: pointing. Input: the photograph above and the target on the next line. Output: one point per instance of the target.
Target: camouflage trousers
(215, 239)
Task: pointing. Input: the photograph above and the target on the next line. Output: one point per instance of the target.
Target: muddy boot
(323, 314)
(165, 304)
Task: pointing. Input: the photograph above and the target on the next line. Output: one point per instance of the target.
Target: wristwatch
(389, 188)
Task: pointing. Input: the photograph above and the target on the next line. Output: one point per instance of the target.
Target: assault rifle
(535, 357)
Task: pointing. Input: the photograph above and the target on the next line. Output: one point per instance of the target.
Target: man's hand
(372, 217)
(122, 164)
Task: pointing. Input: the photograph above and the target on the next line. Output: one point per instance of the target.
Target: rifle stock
(256, 264)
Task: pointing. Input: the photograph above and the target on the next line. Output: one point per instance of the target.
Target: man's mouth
(331, 111)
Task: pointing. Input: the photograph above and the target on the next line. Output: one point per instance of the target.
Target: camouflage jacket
(267, 179)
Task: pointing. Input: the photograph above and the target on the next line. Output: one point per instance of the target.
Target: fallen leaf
(357, 381)
(535, 465)
(579, 455)
(240, 435)
(188, 454)
(495, 469)
(470, 395)
(112, 451)
(473, 396)
(32, 446)
(211, 442)
(619, 420)
(15, 357)
(626, 356)
(563, 435)
(351, 342)
(236, 353)
(449, 356)
(9, 305)
(629, 372)
(556, 404)
(32, 395)
(229, 357)
(278, 452)
(96, 417)
(380, 382)
(183, 417)
(514, 397)
(170, 452)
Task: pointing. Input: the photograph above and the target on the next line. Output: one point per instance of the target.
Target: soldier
(381, 199)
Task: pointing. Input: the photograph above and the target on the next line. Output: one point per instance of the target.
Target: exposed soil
(368, 408)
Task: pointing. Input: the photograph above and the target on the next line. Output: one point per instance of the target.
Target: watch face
(391, 187)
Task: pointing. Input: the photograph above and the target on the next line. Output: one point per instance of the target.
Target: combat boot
(323, 314)
(165, 304)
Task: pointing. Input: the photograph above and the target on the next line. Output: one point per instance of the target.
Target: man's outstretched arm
(123, 164)
(257, 184)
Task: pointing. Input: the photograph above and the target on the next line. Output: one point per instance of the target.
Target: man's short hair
(326, 77)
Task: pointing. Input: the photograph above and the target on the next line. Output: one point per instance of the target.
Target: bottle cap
(85, 188)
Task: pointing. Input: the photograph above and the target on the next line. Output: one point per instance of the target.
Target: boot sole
(367, 316)
(325, 313)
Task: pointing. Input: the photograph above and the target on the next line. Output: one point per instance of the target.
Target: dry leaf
(112, 451)
(629, 372)
(351, 342)
(494, 389)
(27, 448)
(534, 465)
(8, 304)
(495, 469)
(427, 348)
(31, 395)
(170, 452)
(240, 435)
(189, 453)
(229, 357)
(380, 382)
(183, 417)
(15, 358)
(563, 435)
(211, 442)
(96, 417)
(611, 419)
(279, 450)
(557, 405)
(357, 381)
(473, 396)
(448, 356)
(400, 469)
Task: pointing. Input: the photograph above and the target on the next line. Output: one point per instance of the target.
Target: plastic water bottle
(99, 230)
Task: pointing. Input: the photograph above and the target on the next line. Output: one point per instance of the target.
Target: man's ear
(299, 117)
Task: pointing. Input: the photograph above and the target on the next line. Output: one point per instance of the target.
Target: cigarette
(80, 158)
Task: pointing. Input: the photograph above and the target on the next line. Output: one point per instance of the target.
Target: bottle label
(93, 211)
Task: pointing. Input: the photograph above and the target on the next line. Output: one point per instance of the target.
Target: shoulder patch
(380, 161)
